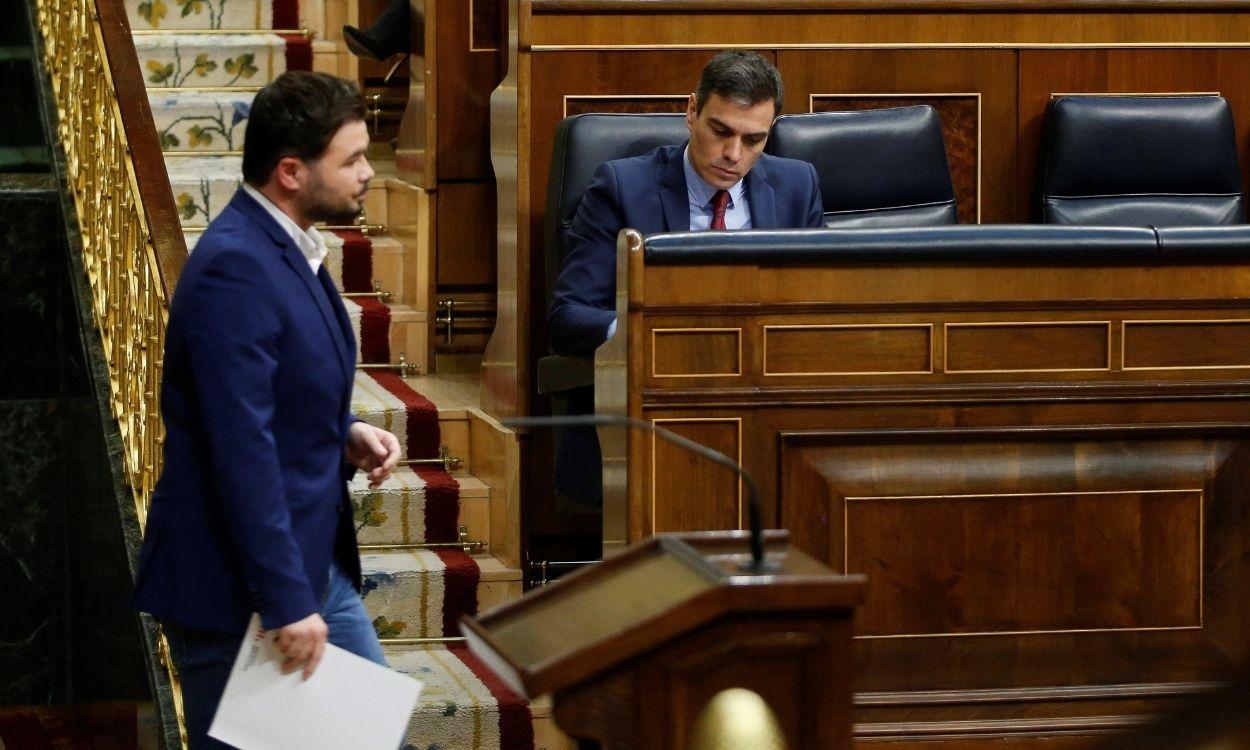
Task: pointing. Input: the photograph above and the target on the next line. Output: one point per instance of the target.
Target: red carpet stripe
(299, 51)
(423, 430)
(286, 16)
(357, 262)
(460, 581)
(442, 505)
(375, 331)
(516, 726)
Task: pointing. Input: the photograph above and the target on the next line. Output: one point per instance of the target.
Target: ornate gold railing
(130, 282)
(132, 244)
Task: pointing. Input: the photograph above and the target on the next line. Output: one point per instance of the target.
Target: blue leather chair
(582, 143)
(877, 167)
(1140, 161)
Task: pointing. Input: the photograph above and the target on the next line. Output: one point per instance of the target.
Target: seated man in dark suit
(720, 179)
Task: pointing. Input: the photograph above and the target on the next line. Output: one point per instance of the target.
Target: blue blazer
(648, 193)
(252, 504)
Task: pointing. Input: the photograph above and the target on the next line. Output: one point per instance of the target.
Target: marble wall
(66, 635)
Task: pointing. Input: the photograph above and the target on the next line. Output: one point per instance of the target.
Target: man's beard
(322, 205)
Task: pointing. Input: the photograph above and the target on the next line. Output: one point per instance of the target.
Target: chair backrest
(1140, 160)
(877, 167)
(582, 143)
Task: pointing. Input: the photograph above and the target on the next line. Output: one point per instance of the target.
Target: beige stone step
(499, 582)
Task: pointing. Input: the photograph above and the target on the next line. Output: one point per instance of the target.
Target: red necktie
(720, 202)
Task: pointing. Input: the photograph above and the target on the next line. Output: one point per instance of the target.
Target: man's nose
(733, 150)
(368, 173)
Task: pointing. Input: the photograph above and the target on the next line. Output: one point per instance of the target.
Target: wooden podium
(634, 648)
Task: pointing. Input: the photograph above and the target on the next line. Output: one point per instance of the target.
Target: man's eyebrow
(717, 123)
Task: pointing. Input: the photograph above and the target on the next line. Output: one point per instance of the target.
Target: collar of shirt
(310, 243)
(700, 195)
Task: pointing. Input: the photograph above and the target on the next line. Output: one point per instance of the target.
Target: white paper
(349, 702)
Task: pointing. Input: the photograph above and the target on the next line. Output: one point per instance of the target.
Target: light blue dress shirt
(700, 194)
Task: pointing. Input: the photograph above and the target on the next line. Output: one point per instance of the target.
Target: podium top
(655, 591)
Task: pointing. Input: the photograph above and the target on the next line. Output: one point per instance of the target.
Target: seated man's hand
(374, 450)
(303, 643)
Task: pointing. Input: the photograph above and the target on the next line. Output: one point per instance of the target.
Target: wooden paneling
(1027, 347)
(1091, 556)
(688, 492)
(939, 23)
(969, 88)
(1027, 562)
(466, 240)
(847, 349)
(1186, 344)
(696, 352)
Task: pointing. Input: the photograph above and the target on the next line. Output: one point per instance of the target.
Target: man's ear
(289, 173)
(692, 110)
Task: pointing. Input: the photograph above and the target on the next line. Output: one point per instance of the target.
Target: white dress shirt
(310, 243)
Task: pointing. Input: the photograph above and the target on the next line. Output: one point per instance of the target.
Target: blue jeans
(204, 657)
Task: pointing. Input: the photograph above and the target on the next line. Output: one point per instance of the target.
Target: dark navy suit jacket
(252, 505)
(648, 193)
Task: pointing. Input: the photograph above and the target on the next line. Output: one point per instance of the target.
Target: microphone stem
(596, 420)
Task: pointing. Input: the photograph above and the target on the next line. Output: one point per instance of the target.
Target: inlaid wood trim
(947, 327)
(1126, 324)
(928, 327)
(1200, 557)
(737, 368)
(564, 107)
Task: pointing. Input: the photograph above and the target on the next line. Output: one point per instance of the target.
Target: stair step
(397, 512)
(460, 708)
(202, 186)
(406, 335)
(406, 590)
(190, 121)
(207, 60)
(200, 14)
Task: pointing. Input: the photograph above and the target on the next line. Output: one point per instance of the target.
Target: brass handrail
(132, 248)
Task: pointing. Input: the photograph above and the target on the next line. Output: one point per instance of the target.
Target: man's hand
(303, 643)
(374, 450)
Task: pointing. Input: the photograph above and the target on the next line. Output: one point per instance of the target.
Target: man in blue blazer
(251, 512)
(678, 188)
(720, 179)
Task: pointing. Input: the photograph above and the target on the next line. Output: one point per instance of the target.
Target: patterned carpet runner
(200, 87)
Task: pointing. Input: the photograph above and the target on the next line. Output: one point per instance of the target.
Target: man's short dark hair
(742, 77)
(296, 115)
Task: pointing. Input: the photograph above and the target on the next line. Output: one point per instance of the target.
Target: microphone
(757, 564)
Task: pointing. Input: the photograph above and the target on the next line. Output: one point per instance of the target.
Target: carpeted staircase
(200, 85)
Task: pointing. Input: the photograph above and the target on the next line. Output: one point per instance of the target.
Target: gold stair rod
(420, 641)
(406, 369)
(168, 154)
(365, 229)
(445, 460)
(307, 33)
(204, 89)
(377, 293)
(469, 546)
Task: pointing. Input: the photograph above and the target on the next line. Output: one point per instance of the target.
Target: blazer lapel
(674, 197)
(296, 260)
(299, 264)
(760, 196)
